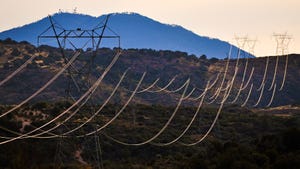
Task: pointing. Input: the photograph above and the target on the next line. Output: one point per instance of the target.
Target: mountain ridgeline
(136, 31)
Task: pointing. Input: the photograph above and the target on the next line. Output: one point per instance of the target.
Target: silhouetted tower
(78, 39)
(86, 42)
(283, 41)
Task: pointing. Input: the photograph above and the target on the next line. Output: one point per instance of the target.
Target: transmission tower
(79, 76)
(80, 71)
(283, 40)
(241, 41)
(251, 43)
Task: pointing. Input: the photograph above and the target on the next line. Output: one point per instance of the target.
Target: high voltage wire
(76, 103)
(224, 75)
(190, 123)
(163, 128)
(88, 120)
(43, 87)
(211, 126)
(248, 96)
(119, 112)
(18, 70)
(228, 88)
(262, 84)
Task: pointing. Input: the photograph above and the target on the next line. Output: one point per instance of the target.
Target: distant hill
(161, 64)
(136, 31)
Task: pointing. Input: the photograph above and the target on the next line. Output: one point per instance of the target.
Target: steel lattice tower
(79, 76)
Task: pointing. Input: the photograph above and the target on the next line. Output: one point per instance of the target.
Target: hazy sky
(215, 18)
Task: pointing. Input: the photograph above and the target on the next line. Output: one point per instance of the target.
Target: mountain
(136, 31)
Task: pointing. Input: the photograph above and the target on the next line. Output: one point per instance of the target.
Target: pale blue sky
(215, 18)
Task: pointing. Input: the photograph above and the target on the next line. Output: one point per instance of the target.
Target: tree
(213, 60)
(203, 57)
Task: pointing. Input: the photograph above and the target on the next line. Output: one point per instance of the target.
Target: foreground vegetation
(242, 138)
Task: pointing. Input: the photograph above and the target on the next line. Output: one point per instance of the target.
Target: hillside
(158, 64)
(136, 31)
(248, 138)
